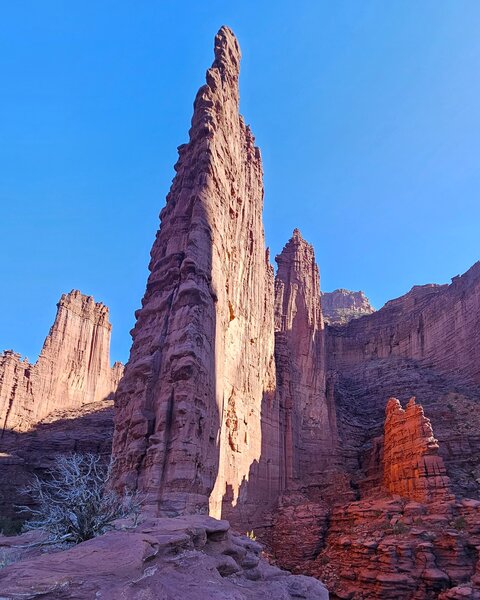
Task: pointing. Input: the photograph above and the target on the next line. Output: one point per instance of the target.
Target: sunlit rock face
(411, 463)
(61, 404)
(73, 368)
(196, 425)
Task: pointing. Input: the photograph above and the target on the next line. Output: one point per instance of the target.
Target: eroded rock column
(73, 368)
(412, 465)
(197, 423)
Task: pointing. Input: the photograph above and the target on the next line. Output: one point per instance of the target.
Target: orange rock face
(411, 463)
(396, 549)
(196, 423)
(73, 368)
(237, 401)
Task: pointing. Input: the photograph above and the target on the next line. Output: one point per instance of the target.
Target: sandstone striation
(197, 421)
(411, 463)
(396, 549)
(341, 306)
(308, 424)
(237, 401)
(436, 325)
(73, 368)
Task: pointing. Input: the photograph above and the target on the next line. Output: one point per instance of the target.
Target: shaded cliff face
(308, 418)
(72, 370)
(196, 409)
(87, 428)
(341, 306)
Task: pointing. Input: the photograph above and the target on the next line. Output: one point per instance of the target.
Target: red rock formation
(308, 419)
(196, 419)
(437, 326)
(341, 306)
(73, 368)
(298, 530)
(389, 549)
(412, 465)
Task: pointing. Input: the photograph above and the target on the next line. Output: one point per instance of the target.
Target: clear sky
(367, 113)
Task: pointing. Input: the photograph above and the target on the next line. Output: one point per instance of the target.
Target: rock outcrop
(411, 463)
(341, 306)
(193, 557)
(197, 422)
(73, 368)
(393, 549)
(308, 420)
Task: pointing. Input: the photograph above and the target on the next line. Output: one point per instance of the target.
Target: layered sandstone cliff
(436, 325)
(197, 420)
(341, 306)
(73, 368)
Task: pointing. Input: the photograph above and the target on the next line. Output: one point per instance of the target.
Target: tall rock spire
(200, 381)
(308, 420)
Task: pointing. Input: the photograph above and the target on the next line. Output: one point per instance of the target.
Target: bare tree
(74, 504)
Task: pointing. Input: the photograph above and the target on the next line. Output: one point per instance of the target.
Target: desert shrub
(74, 503)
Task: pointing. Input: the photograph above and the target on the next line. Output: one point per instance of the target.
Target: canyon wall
(73, 368)
(196, 426)
(61, 404)
(422, 344)
(436, 325)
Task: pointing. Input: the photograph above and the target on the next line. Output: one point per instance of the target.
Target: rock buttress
(197, 423)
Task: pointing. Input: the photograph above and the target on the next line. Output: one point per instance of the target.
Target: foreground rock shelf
(192, 557)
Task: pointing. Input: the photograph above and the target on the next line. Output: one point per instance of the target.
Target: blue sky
(367, 114)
